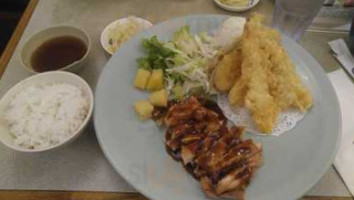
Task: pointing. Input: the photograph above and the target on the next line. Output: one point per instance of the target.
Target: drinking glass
(292, 17)
(351, 37)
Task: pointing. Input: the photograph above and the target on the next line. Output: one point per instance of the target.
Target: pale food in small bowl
(236, 5)
(121, 30)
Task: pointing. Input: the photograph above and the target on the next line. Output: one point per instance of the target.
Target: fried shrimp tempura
(286, 87)
(228, 70)
(266, 81)
(258, 100)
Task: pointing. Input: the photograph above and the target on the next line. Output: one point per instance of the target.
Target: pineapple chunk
(159, 98)
(144, 109)
(156, 80)
(141, 78)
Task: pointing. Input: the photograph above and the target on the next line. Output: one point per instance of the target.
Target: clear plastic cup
(292, 17)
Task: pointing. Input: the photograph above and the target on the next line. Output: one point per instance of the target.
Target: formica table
(80, 170)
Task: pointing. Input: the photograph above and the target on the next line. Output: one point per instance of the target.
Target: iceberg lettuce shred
(183, 60)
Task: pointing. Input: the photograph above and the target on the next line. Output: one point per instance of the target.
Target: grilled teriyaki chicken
(197, 135)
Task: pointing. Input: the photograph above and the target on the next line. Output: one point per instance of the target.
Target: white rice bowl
(45, 111)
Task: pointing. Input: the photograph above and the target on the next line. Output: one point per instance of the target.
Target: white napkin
(344, 160)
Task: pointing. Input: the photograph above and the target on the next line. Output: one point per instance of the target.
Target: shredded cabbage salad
(235, 2)
(122, 32)
(184, 61)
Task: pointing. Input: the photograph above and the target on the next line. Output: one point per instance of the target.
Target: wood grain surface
(16, 36)
(67, 195)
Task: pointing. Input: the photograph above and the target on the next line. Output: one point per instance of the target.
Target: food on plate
(141, 79)
(182, 62)
(159, 98)
(238, 3)
(180, 66)
(265, 79)
(178, 92)
(122, 32)
(228, 70)
(176, 68)
(144, 109)
(216, 155)
(229, 32)
(40, 116)
(156, 80)
(246, 60)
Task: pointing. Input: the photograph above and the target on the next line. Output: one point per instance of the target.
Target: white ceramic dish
(44, 78)
(252, 4)
(105, 33)
(293, 162)
(49, 33)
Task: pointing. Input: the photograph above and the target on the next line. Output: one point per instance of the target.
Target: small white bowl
(44, 78)
(42, 36)
(105, 33)
(236, 8)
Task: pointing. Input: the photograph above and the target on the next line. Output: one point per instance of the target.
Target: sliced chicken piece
(198, 137)
(181, 112)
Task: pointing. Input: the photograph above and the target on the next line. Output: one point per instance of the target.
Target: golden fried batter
(228, 70)
(265, 79)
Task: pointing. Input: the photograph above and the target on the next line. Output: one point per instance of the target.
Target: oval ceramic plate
(252, 3)
(293, 162)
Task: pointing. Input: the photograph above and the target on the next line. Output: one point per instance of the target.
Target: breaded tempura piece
(267, 82)
(228, 70)
(287, 87)
(258, 100)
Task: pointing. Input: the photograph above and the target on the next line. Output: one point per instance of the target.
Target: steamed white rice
(44, 115)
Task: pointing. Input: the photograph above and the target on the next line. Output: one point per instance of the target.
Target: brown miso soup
(57, 53)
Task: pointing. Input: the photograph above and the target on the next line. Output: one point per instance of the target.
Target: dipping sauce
(57, 53)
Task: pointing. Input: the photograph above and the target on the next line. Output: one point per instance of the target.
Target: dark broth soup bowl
(67, 47)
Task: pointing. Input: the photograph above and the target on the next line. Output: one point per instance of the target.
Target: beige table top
(81, 166)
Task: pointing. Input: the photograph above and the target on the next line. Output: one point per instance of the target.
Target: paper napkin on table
(344, 160)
